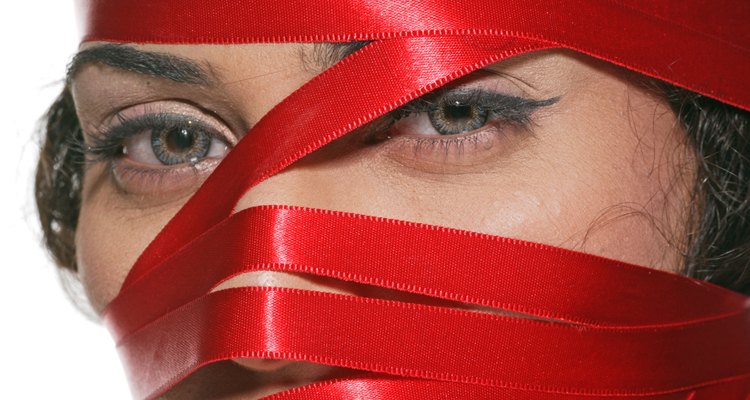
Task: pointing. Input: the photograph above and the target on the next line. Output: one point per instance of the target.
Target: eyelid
(511, 106)
(147, 179)
(503, 108)
(126, 122)
(417, 150)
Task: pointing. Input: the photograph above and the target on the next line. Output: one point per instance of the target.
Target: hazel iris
(454, 117)
(180, 144)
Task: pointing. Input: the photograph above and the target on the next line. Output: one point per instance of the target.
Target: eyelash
(511, 109)
(109, 144)
(500, 109)
(497, 111)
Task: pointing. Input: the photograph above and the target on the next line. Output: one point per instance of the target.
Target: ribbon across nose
(656, 325)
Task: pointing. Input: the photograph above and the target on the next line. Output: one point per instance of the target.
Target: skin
(604, 170)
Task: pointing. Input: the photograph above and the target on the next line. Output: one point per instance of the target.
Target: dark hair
(719, 243)
(57, 185)
(718, 238)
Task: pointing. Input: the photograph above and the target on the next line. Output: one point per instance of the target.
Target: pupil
(179, 140)
(184, 143)
(458, 111)
(457, 116)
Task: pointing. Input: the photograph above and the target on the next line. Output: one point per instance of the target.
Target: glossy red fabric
(613, 330)
(654, 328)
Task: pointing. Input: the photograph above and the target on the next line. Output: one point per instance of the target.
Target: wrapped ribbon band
(484, 270)
(405, 339)
(641, 336)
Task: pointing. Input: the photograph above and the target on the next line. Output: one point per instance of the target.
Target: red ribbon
(621, 330)
(642, 337)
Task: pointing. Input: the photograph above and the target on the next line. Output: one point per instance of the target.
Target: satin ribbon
(618, 330)
(640, 336)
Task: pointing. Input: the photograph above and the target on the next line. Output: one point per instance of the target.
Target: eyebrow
(179, 69)
(160, 65)
(183, 70)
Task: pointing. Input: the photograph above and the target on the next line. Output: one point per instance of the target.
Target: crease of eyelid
(236, 127)
(116, 118)
(515, 80)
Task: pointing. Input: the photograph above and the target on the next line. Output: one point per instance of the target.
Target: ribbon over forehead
(622, 330)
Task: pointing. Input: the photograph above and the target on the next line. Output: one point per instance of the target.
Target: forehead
(228, 64)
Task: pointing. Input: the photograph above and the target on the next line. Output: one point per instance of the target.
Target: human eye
(450, 119)
(159, 147)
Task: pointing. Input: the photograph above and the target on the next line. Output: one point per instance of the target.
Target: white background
(48, 349)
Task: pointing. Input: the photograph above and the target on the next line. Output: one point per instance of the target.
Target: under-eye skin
(451, 118)
(152, 150)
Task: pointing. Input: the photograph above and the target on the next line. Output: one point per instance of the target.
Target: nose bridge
(319, 181)
(295, 187)
(289, 187)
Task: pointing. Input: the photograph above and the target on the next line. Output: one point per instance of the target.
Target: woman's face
(548, 147)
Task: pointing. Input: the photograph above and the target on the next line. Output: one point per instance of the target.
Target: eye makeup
(456, 123)
(146, 145)
(462, 110)
(173, 139)
(159, 145)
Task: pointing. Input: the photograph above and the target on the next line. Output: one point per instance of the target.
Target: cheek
(609, 177)
(111, 234)
(102, 257)
(617, 175)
